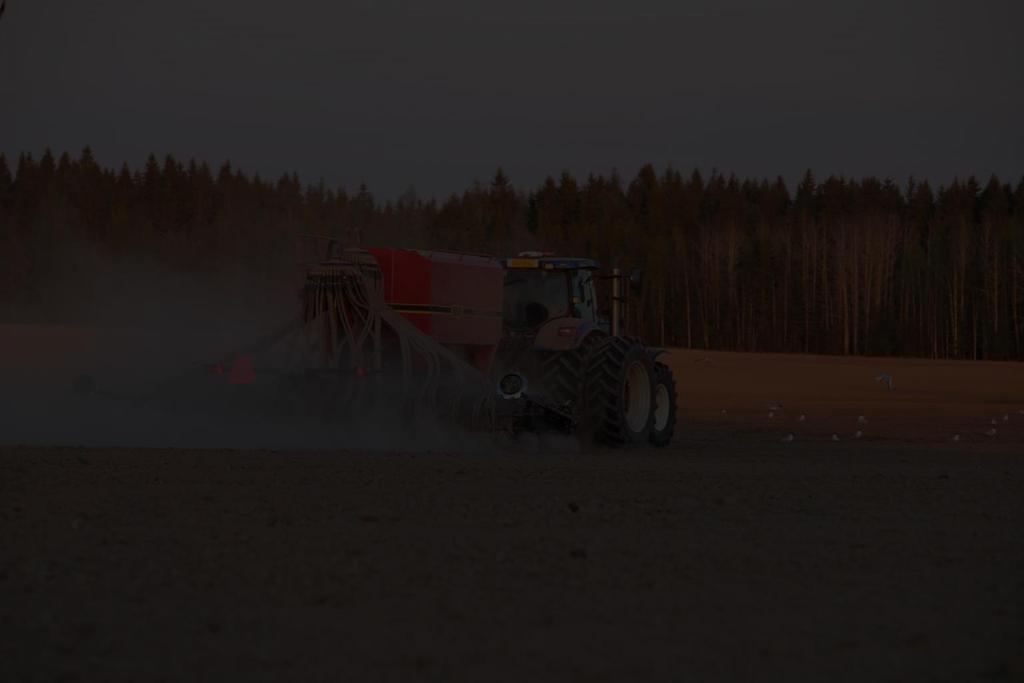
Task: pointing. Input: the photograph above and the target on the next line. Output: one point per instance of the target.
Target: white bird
(994, 421)
(861, 419)
(886, 379)
(770, 415)
(857, 434)
(991, 431)
(1006, 417)
(774, 405)
(788, 438)
(835, 437)
(956, 437)
(801, 418)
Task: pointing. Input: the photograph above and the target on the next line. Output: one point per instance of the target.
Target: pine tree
(6, 181)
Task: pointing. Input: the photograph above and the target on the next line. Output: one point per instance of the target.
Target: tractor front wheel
(665, 405)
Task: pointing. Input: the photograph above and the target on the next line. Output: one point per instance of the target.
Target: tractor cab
(541, 289)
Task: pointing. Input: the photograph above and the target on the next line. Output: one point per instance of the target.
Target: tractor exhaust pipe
(616, 302)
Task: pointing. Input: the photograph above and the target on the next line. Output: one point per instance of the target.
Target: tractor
(566, 366)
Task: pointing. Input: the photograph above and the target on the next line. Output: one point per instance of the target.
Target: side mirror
(636, 279)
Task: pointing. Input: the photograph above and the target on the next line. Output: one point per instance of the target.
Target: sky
(436, 95)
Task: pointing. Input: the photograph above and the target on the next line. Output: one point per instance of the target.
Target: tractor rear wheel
(665, 405)
(620, 392)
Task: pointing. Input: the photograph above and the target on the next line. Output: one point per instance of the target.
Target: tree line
(838, 265)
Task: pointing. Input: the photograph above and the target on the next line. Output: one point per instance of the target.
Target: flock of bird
(861, 421)
(775, 408)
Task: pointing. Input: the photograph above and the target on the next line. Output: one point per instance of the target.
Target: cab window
(532, 297)
(584, 297)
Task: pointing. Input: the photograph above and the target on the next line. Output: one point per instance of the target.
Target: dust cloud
(122, 352)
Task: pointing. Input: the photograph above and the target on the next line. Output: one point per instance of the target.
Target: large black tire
(562, 374)
(619, 380)
(665, 405)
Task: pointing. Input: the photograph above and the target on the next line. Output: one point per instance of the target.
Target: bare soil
(931, 402)
(730, 555)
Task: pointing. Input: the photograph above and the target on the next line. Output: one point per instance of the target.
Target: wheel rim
(637, 397)
(661, 407)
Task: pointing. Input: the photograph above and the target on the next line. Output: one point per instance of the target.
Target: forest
(833, 266)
